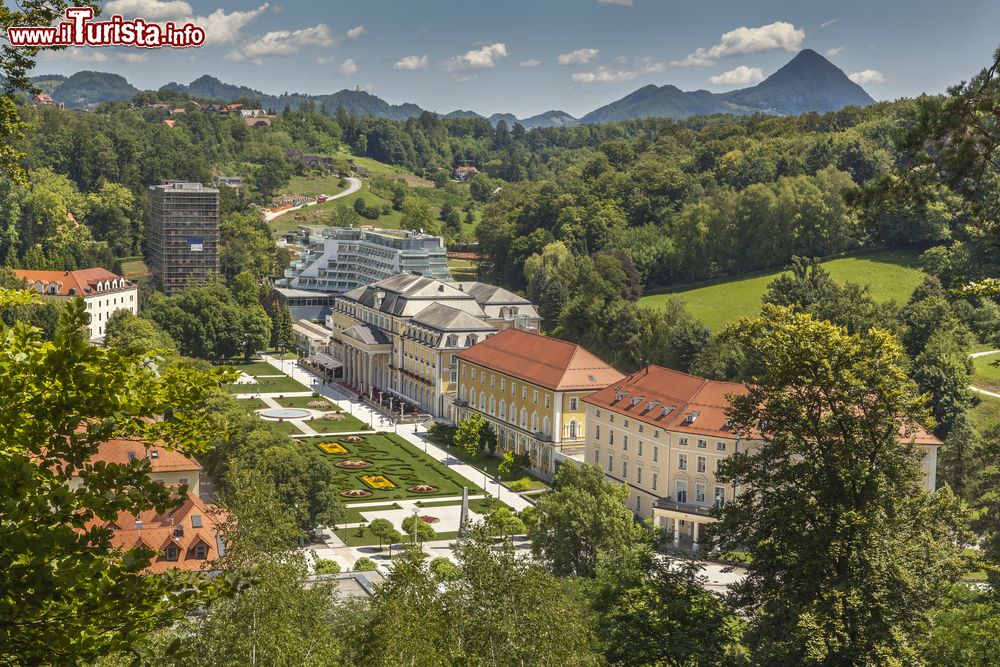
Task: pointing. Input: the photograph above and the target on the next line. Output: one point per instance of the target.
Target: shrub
(325, 566)
(522, 484)
(365, 564)
(444, 570)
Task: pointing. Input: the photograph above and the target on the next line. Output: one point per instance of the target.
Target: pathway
(353, 185)
(979, 390)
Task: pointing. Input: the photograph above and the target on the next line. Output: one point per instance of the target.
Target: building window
(572, 429)
(611, 418)
(201, 552)
(493, 406)
(638, 503)
(625, 443)
(611, 437)
(626, 423)
(546, 426)
(597, 432)
(573, 405)
(172, 553)
(524, 418)
(638, 475)
(597, 455)
(656, 433)
(503, 384)
(699, 493)
(654, 481)
(656, 454)
(534, 422)
(682, 491)
(702, 444)
(720, 496)
(503, 410)
(640, 448)
(682, 461)
(682, 441)
(482, 377)
(547, 397)
(720, 446)
(597, 413)
(625, 470)
(513, 389)
(493, 381)
(611, 462)
(524, 393)
(701, 464)
(535, 397)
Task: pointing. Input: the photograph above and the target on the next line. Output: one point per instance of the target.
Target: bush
(365, 564)
(444, 570)
(325, 566)
(522, 484)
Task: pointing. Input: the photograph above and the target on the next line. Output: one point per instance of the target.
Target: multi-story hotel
(530, 388)
(343, 259)
(183, 234)
(662, 433)
(103, 292)
(399, 336)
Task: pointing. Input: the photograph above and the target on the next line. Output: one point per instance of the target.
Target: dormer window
(173, 553)
(201, 552)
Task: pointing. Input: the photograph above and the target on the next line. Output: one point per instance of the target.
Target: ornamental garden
(385, 467)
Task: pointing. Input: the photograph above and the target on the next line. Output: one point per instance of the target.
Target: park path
(411, 432)
(980, 390)
(353, 185)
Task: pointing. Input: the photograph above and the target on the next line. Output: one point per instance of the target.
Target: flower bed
(332, 447)
(354, 465)
(353, 438)
(422, 488)
(430, 519)
(356, 493)
(380, 482)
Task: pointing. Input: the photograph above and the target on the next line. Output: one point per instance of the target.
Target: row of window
(574, 403)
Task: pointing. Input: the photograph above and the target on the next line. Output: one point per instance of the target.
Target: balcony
(668, 503)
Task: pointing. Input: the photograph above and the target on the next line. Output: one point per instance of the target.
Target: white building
(102, 291)
(343, 259)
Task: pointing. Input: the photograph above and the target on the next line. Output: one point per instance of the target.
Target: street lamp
(414, 526)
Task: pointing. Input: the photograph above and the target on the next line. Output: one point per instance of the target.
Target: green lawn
(353, 514)
(348, 424)
(255, 368)
(987, 376)
(314, 185)
(397, 460)
(269, 385)
(480, 505)
(986, 415)
(318, 215)
(304, 401)
(351, 538)
(282, 428)
(890, 274)
(463, 269)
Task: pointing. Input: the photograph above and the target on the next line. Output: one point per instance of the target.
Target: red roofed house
(662, 433)
(464, 173)
(42, 98)
(187, 537)
(530, 388)
(102, 291)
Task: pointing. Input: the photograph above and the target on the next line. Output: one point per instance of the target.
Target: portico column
(677, 532)
(696, 526)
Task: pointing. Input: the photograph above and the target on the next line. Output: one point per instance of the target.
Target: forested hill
(809, 82)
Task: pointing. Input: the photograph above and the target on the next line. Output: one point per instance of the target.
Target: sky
(526, 57)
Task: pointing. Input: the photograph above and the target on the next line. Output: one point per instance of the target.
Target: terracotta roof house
(166, 465)
(42, 98)
(530, 388)
(103, 292)
(464, 173)
(169, 122)
(662, 433)
(186, 538)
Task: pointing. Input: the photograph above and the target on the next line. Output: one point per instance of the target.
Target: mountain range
(808, 82)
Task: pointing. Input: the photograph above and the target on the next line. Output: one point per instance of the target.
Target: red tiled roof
(82, 283)
(194, 522)
(160, 458)
(547, 362)
(691, 397)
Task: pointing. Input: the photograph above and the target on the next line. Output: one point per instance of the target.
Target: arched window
(482, 401)
(513, 413)
(471, 339)
(534, 422)
(524, 418)
(503, 409)
(545, 426)
(472, 397)
(572, 429)
(493, 406)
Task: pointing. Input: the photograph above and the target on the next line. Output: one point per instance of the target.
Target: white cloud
(827, 24)
(578, 57)
(743, 40)
(530, 62)
(152, 10)
(324, 60)
(647, 65)
(223, 28)
(740, 76)
(620, 3)
(482, 58)
(834, 52)
(354, 33)
(411, 63)
(604, 75)
(282, 43)
(867, 76)
(348, 67)
(131, 57)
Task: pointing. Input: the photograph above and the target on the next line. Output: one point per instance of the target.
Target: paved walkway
(411, 432)
(353, 185)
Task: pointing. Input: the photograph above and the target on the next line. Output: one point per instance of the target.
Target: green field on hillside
(987, 375)
(314, 185)
(319, 215)
(890, 274)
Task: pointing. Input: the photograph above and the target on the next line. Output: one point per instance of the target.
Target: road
(353, 185)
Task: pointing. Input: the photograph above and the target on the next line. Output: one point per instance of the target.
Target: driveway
(353, 185)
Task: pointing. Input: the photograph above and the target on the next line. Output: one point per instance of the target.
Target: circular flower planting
(422, 488)
(429, 519)
(353, 464)
(355, 493)
(354, 438)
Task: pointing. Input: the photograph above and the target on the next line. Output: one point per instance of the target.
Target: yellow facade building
(530, 388)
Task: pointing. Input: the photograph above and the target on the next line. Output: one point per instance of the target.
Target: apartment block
(183, 234)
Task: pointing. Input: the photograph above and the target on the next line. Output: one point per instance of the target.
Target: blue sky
(525, 57)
